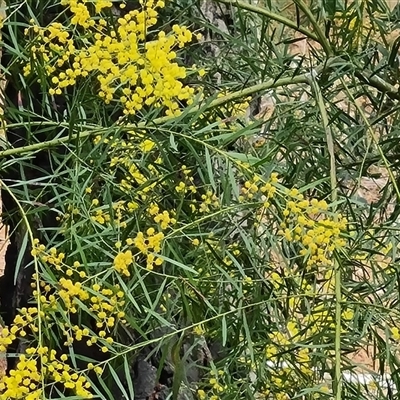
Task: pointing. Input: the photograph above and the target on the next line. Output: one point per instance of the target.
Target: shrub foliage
(184, 198)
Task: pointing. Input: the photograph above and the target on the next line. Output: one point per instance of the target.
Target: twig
(337, 267)
(271, 83)
(269, 14)
(321, 38)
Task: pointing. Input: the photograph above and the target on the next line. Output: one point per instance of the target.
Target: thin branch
(368, 78)
(374, 140)
(271, 83)
(373, 81)
(337, 267)
(266, 13)
(321, 38)
(378, 83)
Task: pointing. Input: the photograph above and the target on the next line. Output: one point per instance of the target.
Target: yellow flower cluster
(50, 257)
(59, 371)
(234, 250)
(25, 381)
(101, 214)
(256, 186)
(186, 185)
(129, 70)
(6, 338)
(250, 188)
(56, 259)
(286, 342)
(148, 244)
(199, 330)
(285, 350)
(134, 178)
(105, 303)
(26, 318)
(268, 189)
(72, 293)
(209, 201)
(81, 15)
(164, 219)
(151, 242)
(395, 333)
(136, 142)
(306, 223)
(122, 261)
(124, 155)
(321, 318)
(217, 387)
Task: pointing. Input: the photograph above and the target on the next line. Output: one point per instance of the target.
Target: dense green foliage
(202, 163)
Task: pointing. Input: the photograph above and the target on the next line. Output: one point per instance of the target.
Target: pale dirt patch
(392, 3)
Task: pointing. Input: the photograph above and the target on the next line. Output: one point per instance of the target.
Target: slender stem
(271, 83)
(368, 78)
(378, 83)
(269, 14)
(373, 140)
(329, 138)
(337, 269)
(321, 38)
